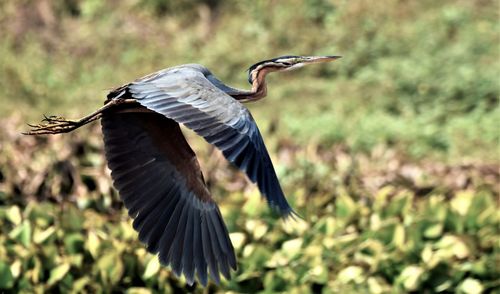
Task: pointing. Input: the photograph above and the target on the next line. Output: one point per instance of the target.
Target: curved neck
(258, 91)
(259, 86)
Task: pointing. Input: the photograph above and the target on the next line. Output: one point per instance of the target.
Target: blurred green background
(390, 154)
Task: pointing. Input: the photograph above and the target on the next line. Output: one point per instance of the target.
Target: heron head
(284, 63)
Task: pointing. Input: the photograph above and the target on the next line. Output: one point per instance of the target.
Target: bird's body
(157, 173)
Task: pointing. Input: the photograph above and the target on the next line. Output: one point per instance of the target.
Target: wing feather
(198, 251)
(184, 94)
(159, 180)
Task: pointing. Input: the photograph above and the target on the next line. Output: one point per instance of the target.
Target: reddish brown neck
(259, 86)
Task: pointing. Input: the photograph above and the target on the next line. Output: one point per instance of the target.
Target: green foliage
(390, 154)
(366, 228)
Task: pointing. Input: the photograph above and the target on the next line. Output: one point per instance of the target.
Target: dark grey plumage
(186, 95)
(170, 219)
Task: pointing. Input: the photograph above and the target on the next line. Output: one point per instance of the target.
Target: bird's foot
(55, 119)
(53, 125)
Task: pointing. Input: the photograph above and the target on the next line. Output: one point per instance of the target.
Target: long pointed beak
(318, 59)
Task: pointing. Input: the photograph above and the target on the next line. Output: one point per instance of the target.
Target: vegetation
(391, 154)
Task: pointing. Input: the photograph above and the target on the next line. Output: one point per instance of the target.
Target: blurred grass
(391, 153)
(422, 76)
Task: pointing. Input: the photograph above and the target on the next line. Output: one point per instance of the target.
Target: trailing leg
(57, 125)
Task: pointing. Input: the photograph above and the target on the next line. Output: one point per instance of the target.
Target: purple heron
(157, 173)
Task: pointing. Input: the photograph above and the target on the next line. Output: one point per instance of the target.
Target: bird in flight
(156, 172)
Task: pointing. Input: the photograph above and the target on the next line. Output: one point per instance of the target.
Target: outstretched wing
(160, 181)
(185, 95)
